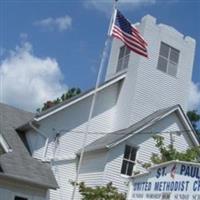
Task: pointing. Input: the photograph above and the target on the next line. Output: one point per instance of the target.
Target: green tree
(194, 118)
(69, 94)
(168, 153)
(107, 192)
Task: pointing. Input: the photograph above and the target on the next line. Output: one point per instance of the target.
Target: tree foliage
(69, 94)
(194, 118)
(107, 192)
(168, 153)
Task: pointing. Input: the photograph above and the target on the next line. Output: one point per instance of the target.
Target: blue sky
(65, 40)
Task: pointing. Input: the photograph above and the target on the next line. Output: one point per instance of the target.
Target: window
(123, 58)
(128, 160)
(168, 59)
(20, 198)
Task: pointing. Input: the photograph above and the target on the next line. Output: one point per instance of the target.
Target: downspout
(43, 135)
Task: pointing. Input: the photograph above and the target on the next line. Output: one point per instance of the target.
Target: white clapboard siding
(92, 169)
(74, 119)
(64, 172)
(144, 90)
(71, 142)
(147, 89)
(146, 146)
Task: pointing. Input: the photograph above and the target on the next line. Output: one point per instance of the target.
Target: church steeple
(160, 81)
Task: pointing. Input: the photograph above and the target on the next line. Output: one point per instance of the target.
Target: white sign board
(169, 181)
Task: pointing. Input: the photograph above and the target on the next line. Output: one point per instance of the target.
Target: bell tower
(153, 83)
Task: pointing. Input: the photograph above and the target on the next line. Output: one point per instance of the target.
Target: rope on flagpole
(102, 63)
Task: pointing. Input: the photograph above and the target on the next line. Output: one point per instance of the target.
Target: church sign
(173, 180)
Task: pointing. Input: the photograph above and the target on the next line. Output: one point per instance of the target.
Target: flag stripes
(129, 38)
(129, 35)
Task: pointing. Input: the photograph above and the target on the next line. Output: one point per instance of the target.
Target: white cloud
(106, 5)
(28, 80)
(60, 23)
(23, 37)
(194, 96)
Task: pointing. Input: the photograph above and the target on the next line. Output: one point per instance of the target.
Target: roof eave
(87, 94)
(177, 107)
(47, 113)
(26, 127)
(28, 181)
(187, 122)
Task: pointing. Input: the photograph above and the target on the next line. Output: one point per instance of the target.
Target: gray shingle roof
(111, 138)
(18, 163)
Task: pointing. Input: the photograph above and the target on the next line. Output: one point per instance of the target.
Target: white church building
(139, 98)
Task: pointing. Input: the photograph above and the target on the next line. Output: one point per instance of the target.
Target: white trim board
(37, 119)
(183, 118)
(4, 144)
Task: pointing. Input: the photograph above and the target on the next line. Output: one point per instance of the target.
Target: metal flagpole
(94, 100)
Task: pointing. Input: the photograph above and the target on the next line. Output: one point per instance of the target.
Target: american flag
(173, 171)
(129, 35)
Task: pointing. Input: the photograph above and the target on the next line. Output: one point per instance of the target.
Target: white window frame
(125, 58)
(168, 59)
(128, 160)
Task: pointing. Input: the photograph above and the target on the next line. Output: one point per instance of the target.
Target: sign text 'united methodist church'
(173, 181)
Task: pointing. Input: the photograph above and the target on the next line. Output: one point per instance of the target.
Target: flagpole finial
(112, 17)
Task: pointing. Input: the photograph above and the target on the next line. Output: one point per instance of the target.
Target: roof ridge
(112, 137)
